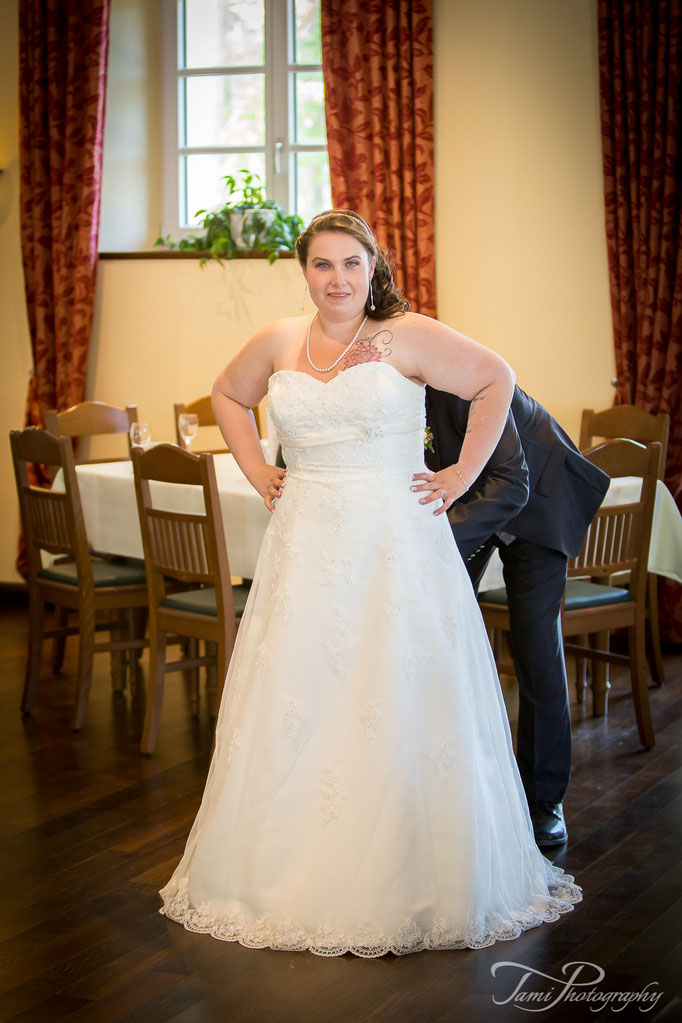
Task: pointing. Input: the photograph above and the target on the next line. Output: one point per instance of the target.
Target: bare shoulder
(430, 352)
(245, 377)
(403, 327)
(267, 343)
(417, 325)
(278, 331)
(417, 335)
(288, 325)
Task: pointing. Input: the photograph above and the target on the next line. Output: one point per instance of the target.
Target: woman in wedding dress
(363, 794)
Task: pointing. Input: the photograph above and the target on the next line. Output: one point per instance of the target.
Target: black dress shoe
(548, 824)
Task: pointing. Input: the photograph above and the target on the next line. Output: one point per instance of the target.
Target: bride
(363, 794)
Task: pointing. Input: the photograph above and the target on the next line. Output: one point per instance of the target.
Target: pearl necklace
(348, 347)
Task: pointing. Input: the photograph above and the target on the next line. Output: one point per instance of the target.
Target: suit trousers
(535, 580)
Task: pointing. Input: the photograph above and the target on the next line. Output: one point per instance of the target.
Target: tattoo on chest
(369, 349)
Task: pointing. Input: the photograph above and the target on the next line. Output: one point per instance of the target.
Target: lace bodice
(368, 417)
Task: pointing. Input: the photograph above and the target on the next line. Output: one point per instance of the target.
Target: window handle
(279, 146)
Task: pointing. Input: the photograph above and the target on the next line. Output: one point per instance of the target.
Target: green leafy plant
(262, 225)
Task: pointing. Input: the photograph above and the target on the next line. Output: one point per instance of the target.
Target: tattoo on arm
(479, 397)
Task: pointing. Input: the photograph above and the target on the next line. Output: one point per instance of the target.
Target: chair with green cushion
(75, 581)
(634, 423)
(83, 422)
(616, 543)
(188, 572)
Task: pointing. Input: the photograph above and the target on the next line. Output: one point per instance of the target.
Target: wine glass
(140, 435)
(188, 423)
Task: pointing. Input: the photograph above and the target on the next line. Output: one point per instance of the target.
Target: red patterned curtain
(63, 48)
(640, 48)
(377, 57)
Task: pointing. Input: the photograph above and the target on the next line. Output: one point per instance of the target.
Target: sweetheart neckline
(326, 383)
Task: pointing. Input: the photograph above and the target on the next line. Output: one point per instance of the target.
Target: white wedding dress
(363, 795)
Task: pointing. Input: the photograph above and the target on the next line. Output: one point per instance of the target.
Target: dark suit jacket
(536, 485)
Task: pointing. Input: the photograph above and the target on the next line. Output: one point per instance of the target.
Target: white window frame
(279, 149)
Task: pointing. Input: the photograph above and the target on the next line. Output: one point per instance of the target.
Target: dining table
(107, 491)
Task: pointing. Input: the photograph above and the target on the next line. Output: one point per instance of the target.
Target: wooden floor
(92, 830)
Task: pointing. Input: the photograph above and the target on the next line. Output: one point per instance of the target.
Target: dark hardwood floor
(92, 830)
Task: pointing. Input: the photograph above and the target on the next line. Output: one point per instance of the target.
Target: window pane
(309, 126)
(313, 192)
(225, 110)
(307, 43)
(224, 33)
(204, 187)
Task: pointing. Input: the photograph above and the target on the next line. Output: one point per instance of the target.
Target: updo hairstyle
(387, 299)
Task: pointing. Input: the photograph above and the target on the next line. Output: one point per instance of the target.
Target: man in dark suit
(533, 501)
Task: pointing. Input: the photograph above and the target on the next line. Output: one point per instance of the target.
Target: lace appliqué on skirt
(366, 939)
(362, 717)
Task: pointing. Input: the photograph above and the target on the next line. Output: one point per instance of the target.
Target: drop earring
(371, 295)
(305, 292)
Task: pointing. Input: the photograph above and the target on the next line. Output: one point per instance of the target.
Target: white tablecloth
(108, 499)
(665, 549)
(110, 510)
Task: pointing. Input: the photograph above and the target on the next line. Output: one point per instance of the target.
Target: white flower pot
(250, 226)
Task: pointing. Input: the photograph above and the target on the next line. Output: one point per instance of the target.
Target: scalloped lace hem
(367, 940)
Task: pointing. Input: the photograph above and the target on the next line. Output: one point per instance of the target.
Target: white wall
(521, 245)
(521, 261)
(164, 328)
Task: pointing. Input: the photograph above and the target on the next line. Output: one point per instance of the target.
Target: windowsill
(185, 254)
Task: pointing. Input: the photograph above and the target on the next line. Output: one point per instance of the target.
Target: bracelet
(466, 485)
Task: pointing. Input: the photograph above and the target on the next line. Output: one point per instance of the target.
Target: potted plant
(247, 221)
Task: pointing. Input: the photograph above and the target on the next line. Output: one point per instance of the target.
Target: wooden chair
(90, 419)
(634, 423)
(629, 421)
(189, 551)
(76, 581)
(203, 409)
(82, 422)
(617, 542)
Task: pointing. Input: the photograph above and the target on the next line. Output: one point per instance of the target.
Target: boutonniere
(428, 439)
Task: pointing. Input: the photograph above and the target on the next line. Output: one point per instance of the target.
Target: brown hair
(387, 299)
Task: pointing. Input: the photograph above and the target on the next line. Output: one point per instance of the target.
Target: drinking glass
(189, 424)
(140, 435)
